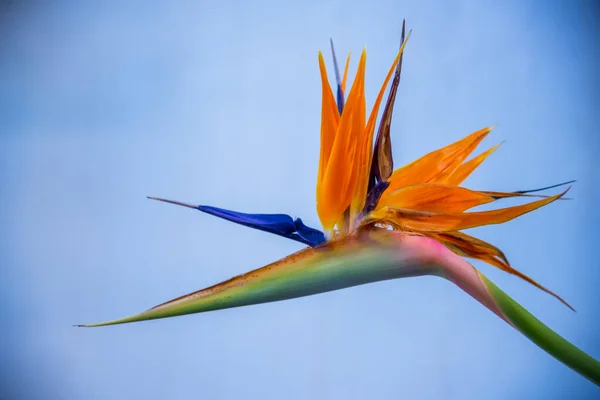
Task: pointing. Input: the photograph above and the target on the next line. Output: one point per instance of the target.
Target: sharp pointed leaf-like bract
(369, 256)
(382, 164)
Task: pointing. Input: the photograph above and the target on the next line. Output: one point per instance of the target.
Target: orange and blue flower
(383, 223)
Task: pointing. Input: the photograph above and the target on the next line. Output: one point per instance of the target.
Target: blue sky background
(218, 103)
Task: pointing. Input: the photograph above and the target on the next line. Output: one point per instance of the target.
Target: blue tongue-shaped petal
(278, 224)
(309, 234)
(338, 80)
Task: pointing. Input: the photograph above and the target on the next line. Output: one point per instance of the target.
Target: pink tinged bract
(368, 256)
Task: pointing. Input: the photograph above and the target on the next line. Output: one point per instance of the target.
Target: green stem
(543, 336)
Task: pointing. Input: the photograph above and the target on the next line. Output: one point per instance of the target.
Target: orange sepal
(436, 198)
(335, 195)
(447, 222)
(436, 166)
(346, 73)
(468, 246)
(465, 169)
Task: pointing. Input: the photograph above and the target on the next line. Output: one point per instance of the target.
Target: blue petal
(340, 93)
(340, 99)
(278, 224)
(312, 235)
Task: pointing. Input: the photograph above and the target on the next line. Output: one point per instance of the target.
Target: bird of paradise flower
(380, 223)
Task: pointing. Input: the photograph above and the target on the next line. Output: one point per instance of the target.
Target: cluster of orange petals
(423, 197)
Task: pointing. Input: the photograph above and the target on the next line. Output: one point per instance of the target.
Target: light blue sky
(218, 103)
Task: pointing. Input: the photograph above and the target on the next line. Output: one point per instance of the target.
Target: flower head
(356, 188)
(381, 223)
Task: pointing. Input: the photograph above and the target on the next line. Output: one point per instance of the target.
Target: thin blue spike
(338, 80)
(278, 224)
(545, 188)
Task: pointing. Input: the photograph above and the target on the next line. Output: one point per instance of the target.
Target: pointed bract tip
(338, 79)
(547, 187)
(178, 203)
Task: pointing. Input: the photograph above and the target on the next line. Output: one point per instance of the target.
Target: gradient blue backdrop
(218, 103)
